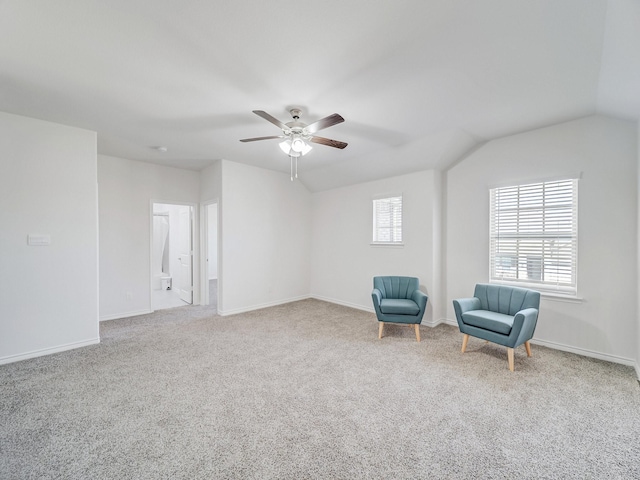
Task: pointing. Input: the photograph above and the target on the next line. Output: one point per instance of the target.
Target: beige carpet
(306, 390)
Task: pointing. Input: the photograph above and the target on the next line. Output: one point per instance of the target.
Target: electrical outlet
(129, 295)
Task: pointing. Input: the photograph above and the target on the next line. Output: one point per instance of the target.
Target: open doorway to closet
(211, 264)
(171, 256)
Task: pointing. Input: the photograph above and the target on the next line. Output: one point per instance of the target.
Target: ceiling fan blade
(328, 142)
(261, 138)
(324, 123)
(271, 119)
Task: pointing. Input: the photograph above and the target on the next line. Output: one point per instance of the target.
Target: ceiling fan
(297, 133)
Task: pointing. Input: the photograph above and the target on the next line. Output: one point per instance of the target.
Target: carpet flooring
(306, 390)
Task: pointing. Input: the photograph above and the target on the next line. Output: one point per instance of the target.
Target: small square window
(387, 220)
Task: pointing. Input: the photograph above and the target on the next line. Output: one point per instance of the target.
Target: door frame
(195, 248)
(204, 242)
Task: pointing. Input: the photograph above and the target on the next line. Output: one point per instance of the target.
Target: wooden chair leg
(527, 346)
(510, 357)
(380, 329)
(465, 339)
(418, 332)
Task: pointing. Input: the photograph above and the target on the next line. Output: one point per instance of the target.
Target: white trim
(381, 196)
(224, 313)
(578, 351)
(434, 323)
(541, 288)
(48, 351)
(204, 250)
(343, 303)
(584, 352)
(530, 181)
(556, 297)
(387, 244)
(430, 324)
(116, 316)
(448, 321)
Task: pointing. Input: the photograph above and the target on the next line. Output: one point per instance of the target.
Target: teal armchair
(500, 314)
(398, 300)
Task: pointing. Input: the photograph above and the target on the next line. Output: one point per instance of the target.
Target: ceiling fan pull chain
(296, 167)
(291, 169)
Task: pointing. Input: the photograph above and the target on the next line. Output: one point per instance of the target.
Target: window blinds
(387, 220)
(534, 235)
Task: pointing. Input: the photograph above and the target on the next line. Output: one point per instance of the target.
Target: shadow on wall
(428, 313)
(571, 327)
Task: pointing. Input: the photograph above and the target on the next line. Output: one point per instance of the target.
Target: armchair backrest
(396, 287)
(505, 299)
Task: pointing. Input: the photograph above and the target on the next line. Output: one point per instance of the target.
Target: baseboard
(586, 353)
(48, 351)
(116, 316)
(577, 350)
(448, 321)
(433, 323)
(440, 321)
(235, 311)
(343, 303)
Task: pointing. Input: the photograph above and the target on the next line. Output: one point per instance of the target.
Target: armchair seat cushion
(488, 320)
(399, 306)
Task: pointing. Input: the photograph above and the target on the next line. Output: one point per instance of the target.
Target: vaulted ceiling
(419, 82)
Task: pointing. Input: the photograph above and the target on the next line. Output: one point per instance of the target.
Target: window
(534, 235)
(387, 220)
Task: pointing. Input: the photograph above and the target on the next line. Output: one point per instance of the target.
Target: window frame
(567, 237)
(376, 228)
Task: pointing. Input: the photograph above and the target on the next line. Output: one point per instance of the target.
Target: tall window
(387, 220)
(534, 235)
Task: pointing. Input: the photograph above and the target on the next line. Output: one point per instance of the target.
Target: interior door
(185, 249)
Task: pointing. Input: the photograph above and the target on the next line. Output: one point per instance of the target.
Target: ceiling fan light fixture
(295, 147)
(285, 146)
(297, 144)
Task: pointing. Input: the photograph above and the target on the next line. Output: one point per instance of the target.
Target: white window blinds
(534, 235)
(387, 220)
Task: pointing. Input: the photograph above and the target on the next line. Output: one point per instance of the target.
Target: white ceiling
(419, 82)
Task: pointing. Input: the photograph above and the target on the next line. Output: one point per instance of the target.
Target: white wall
(48, 294)
(604, 150)
(127, 188)
(212, 247)
(265, 231)
(638, 270)
(211, 191)
(343, 261)
(211, 182)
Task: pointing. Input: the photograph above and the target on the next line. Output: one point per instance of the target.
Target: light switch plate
(38, 240)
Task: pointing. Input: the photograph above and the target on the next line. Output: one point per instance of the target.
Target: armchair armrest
(467, 304)
(524, 324)
(376, 295)
(462, 305)
(420, 298)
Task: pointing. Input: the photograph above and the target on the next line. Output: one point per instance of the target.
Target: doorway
(171, 256)
(210, 293)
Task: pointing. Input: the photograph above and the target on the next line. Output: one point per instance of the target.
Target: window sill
(387, 244)
(556, 297)
(546, 294)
